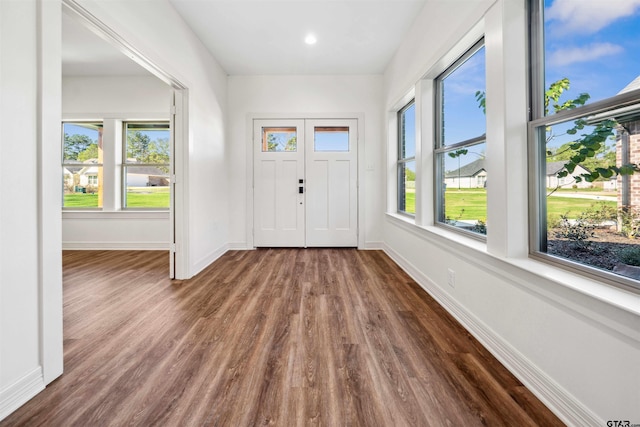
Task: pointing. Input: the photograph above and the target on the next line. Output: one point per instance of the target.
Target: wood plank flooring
(287, 337)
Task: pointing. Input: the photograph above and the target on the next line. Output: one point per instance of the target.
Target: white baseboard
(556, 398)
(115, 246)
(20, 392)
(239, 246)
(373, 245)
(205, 261)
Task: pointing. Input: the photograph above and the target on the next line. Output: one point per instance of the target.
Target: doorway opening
(95, 53)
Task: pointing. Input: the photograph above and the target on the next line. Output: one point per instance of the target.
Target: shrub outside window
(461, 175)
(146, 165)
(82, 158)
(585, 190)
(407, 159)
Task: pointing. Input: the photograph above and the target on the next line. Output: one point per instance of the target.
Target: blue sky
(463, 118)
(594, 43)
(331, 141)
(73, 129)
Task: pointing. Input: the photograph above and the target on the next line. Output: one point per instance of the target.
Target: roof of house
(635, 84)
(147, 170)
(471, 169)
(554, 167)
(73, 169)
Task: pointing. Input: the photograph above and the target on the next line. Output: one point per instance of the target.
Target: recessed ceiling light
(310, 39)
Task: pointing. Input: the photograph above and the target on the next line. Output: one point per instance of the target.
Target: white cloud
(589, 16)
(592, 52)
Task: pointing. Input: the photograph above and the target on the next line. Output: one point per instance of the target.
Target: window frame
(126, 164)
(537, 123)
(64, 164)
(402, 161)
(440, 149)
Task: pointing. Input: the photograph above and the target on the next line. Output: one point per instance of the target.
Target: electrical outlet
(451, 278)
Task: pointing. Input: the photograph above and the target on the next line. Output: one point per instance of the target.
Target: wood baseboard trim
(556, 398)
(20, 392)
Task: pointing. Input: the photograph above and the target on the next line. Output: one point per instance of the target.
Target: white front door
(305, 183)
(332, 180)
(278, 176)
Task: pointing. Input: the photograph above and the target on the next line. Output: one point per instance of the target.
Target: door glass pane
(331, 139)
(279, 139)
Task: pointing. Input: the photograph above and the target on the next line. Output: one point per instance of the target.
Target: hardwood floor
(282, 337)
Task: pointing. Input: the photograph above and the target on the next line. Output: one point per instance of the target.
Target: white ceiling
(258, 37)
(86, 54)
(253, 37)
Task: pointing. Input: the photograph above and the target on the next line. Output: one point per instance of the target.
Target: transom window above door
(279, 139)
(331, 138)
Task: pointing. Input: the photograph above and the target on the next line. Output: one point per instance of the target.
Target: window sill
(137, 215)
(429, 232)
(526, 272)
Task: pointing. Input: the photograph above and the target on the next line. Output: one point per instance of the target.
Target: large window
(146, 165)
(461, 175)
(82, 165)
(585, 138)
(406, 164)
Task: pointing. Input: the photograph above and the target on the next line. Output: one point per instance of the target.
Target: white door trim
(307, 116)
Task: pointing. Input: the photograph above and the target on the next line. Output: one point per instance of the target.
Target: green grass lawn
(137, 197)
(81, 200)
(148, 197)
(471, 204)
(557, 206)
(410, 201)
(466, 204)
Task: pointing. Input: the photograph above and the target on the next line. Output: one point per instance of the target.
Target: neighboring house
(83, 175)
(86, 174)
(472, 175)
(628, 150)
(147, 176)
(568, 181)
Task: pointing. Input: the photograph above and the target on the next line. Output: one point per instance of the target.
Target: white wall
(574, 342)
(121, 98)
(30, 218)
(304, 97)
(30, 263)
(164, 38)
(138, 97)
